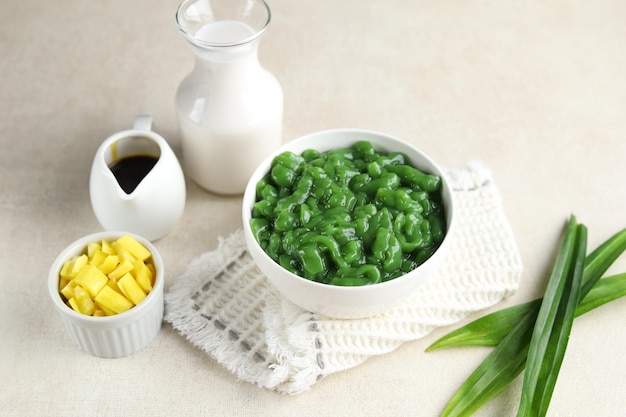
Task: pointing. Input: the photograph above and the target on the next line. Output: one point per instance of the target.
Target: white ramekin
(112, 336)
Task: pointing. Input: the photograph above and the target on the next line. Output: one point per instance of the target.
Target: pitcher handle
(143, 122)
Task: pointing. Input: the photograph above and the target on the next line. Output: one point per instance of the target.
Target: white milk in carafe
(229, 108)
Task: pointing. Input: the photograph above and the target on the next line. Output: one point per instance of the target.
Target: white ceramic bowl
(112, 336)
(338, 301)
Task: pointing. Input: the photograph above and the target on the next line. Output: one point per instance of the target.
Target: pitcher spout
(130, 172)
(124, 196)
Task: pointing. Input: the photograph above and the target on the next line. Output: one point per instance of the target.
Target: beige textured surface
(535, 90)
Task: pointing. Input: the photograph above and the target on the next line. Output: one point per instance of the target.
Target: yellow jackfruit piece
(92, 248)
(68, 289)
(107, 248)
(124, 267)
(66, 269)
(85, 304)
(131, 289)
(133, 246)
(113, 300)
(97, 257)
(78, 264)
(143, 276)
(91, 279)
(74, 304)
(105, 310)
(122, 252)
(114, 286)
(63, 282)
(109, 264)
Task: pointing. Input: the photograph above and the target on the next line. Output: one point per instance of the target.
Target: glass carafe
(230, 108)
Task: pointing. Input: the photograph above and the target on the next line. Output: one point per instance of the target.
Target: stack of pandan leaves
(534, 335)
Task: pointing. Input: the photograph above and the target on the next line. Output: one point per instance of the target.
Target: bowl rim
(78, 246)
(261, 169)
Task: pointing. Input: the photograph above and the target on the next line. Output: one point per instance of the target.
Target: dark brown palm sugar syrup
(131, 170)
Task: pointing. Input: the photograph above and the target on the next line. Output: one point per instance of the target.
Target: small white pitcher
(157, 200)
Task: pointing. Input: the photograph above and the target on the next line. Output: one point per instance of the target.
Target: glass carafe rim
(202, 43)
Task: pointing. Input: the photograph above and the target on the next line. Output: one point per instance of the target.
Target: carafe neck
(231, 59)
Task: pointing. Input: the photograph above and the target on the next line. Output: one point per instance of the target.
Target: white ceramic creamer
(230, 109)
(128, 195)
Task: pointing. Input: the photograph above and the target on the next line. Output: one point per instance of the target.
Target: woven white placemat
(225, 306)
